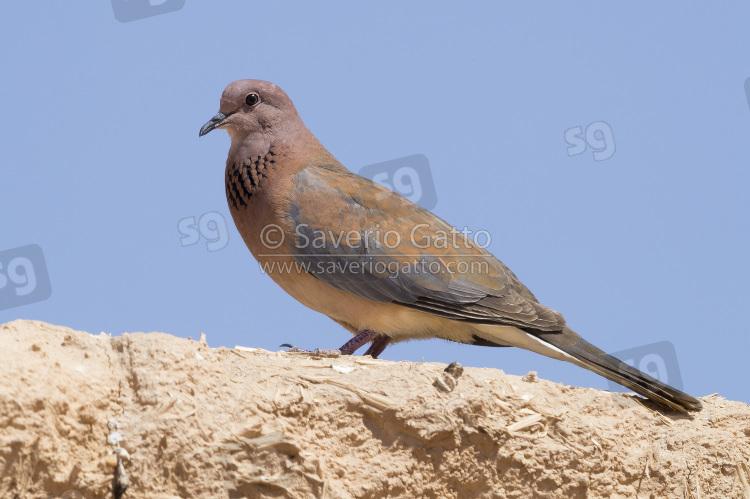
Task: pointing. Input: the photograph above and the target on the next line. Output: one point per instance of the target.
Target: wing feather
(378, 245)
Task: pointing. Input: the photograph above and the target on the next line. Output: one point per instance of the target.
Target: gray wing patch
(367, 271)
(363, 266)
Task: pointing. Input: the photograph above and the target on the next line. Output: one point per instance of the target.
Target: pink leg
(378, 345)
(351, 346)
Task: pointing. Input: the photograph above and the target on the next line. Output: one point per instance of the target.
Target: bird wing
(370, 241)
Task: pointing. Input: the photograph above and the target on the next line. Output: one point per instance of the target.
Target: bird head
(251, 107)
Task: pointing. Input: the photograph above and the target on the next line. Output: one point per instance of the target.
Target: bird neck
(293, 143)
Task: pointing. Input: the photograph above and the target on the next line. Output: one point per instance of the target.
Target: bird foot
(328, 352)
(293, 349)
(325, 352)
(379, 342)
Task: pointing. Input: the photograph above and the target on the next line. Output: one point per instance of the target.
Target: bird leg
(379, 342)
(378, 345)
(351, 346)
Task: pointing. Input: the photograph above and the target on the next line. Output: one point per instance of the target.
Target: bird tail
(590, 357)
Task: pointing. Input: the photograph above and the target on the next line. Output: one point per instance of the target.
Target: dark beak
(214, 122)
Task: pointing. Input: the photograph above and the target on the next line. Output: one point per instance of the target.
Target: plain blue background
(101, 159)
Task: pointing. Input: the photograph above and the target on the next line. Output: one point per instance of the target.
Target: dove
(379, 265)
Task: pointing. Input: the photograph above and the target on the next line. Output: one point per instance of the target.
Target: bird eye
(252, 99)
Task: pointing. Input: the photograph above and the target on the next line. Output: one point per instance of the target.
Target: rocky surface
(192, 421)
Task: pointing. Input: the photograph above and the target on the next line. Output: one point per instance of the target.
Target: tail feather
(590, 357)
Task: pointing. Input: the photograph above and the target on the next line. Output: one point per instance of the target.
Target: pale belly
(357, 314)
(396, 321)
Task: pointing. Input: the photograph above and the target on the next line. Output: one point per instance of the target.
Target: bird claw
(325, 352)
(379, 342)
(294, 349)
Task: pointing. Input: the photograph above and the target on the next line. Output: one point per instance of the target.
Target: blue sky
(604, 147)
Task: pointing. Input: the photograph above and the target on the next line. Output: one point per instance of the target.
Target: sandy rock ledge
(192, 421)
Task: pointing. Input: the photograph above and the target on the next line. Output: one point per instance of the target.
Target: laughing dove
(373, 261)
